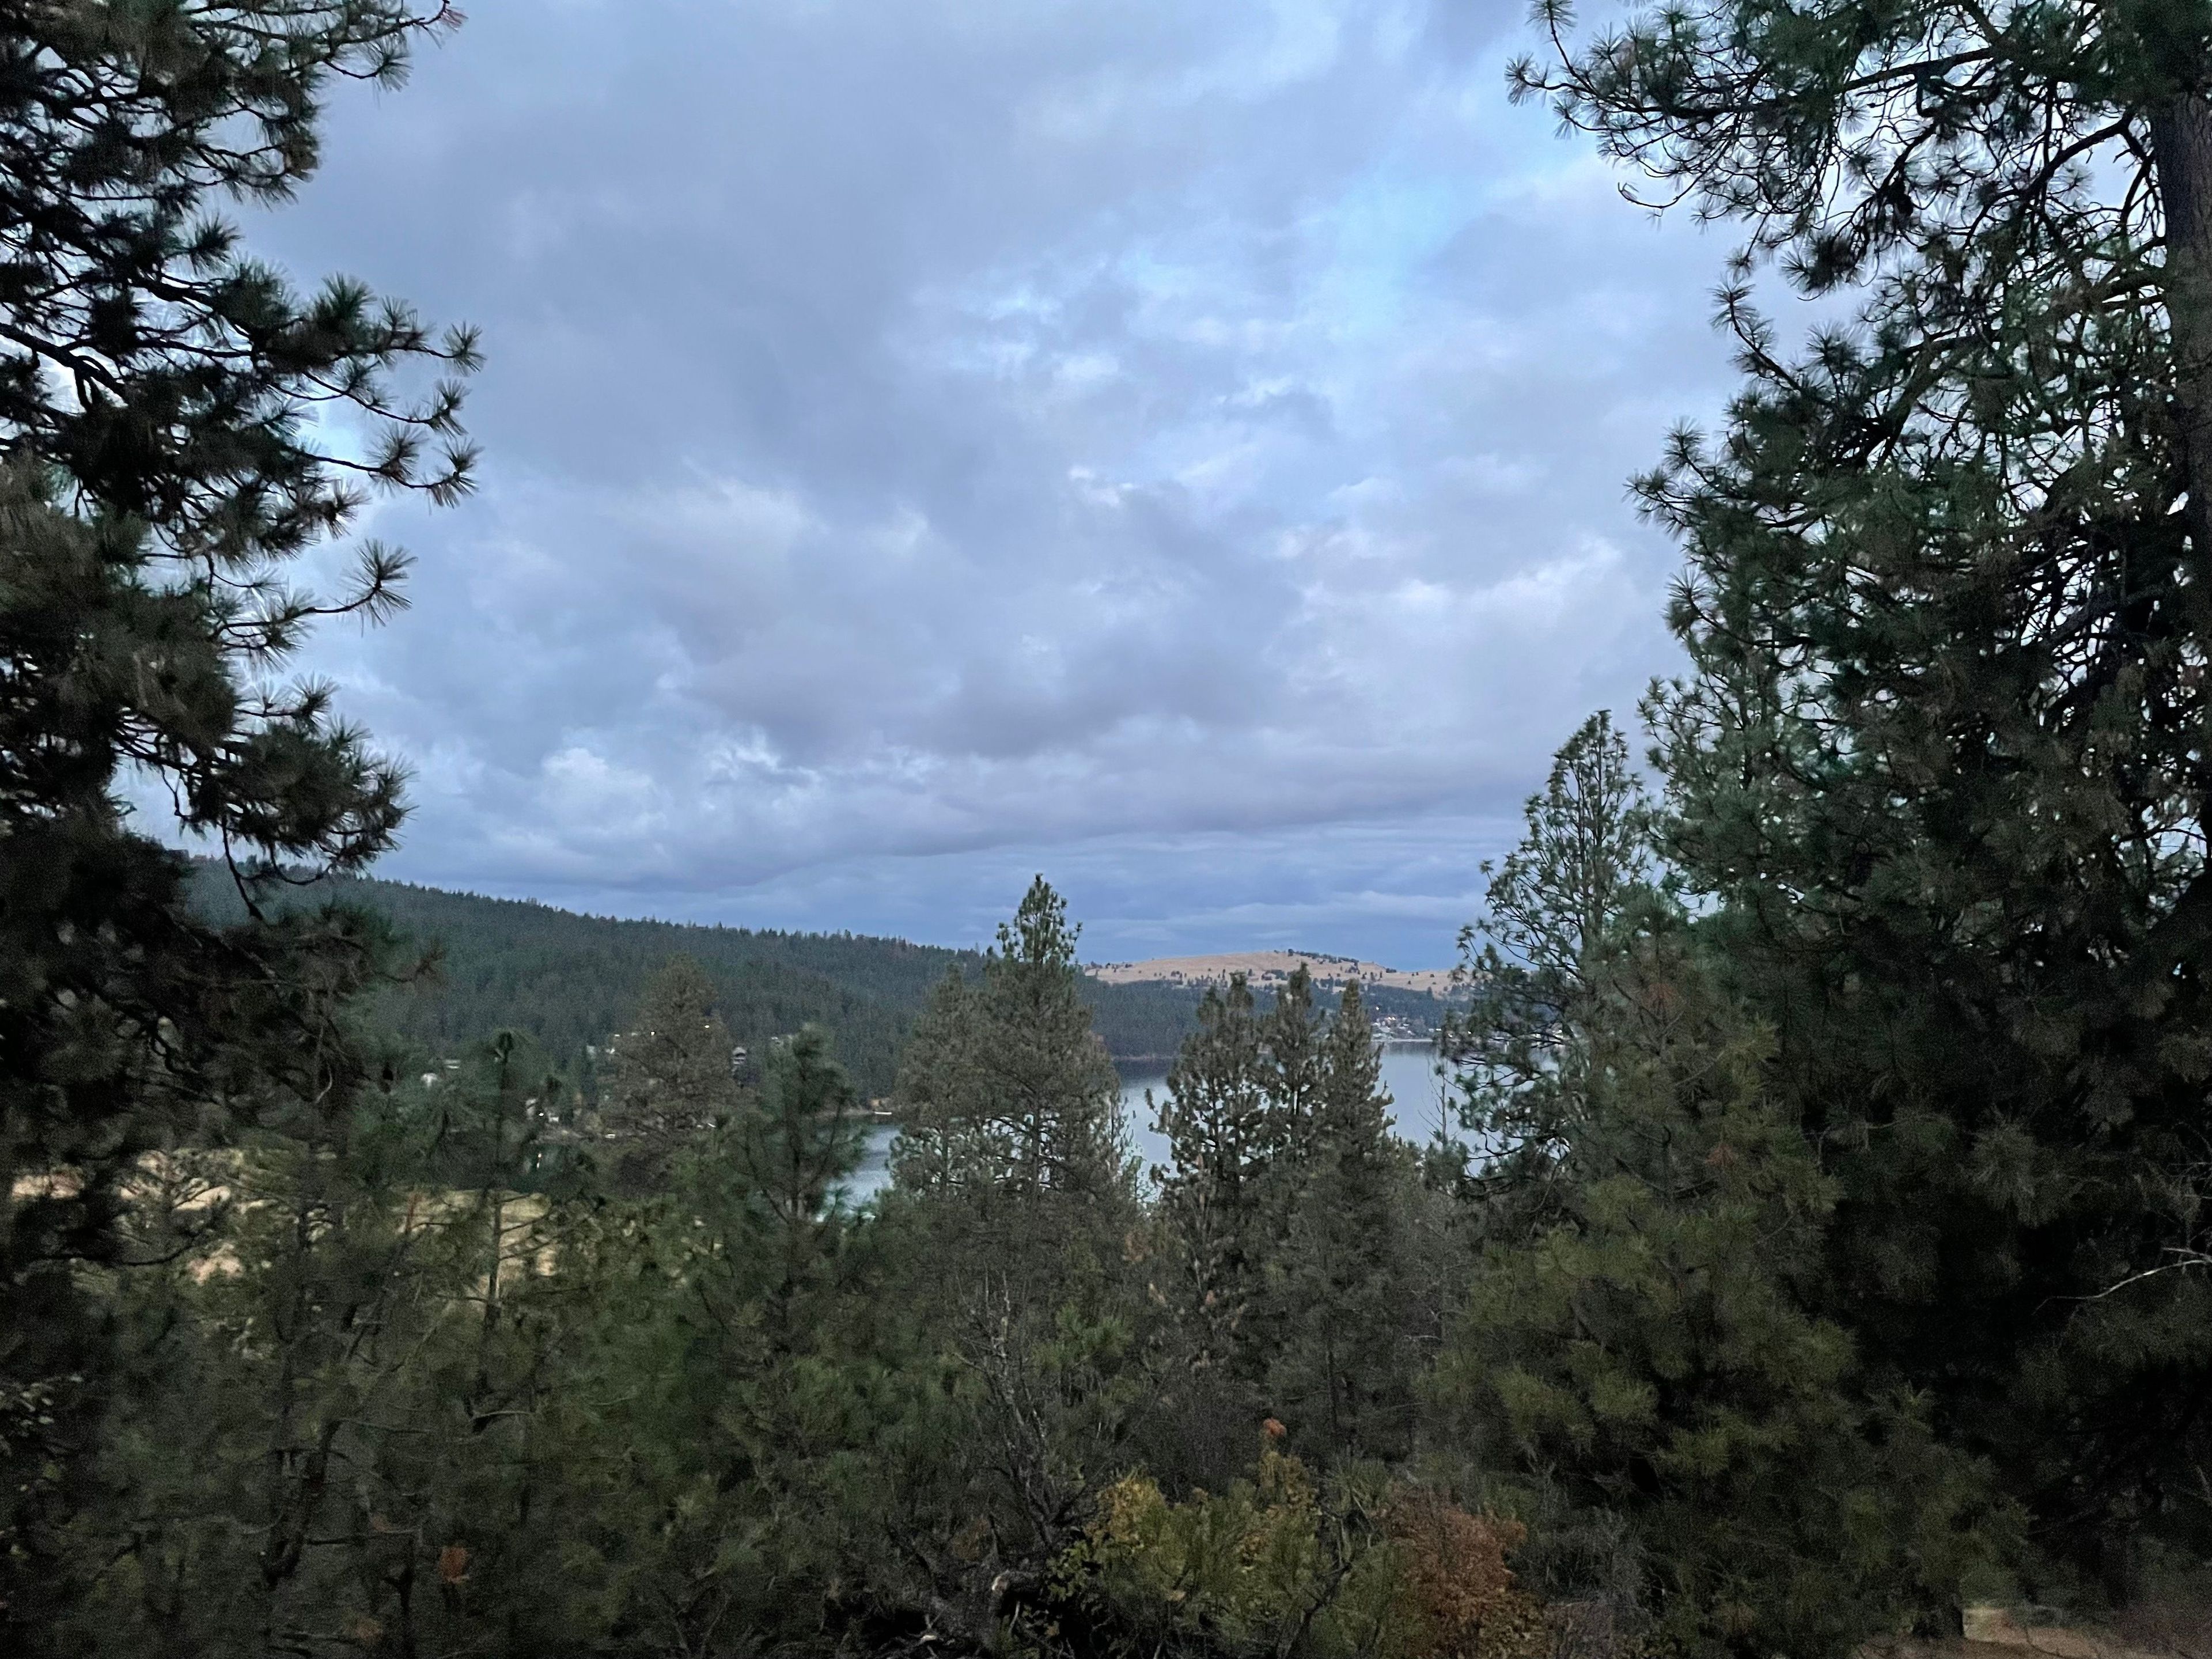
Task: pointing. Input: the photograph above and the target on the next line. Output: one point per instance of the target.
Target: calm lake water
(1409, 1072)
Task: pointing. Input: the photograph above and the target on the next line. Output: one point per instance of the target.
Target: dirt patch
(2157, 1630)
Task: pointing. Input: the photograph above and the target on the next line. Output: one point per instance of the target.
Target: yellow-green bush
(1277, 1565)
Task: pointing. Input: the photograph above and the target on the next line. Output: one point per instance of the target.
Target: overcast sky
(1176, 447)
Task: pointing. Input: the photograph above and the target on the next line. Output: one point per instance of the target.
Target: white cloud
(927, 442)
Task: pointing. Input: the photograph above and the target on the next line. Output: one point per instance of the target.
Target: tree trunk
(2181, 147)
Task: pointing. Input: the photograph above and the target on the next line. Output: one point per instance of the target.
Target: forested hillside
(567, 980)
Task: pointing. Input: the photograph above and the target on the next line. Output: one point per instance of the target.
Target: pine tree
(1007, 1246)
(796, 1150)
(1342, 1280)
(1938, 767)
(1215, 1201)
(161, 465)
(1562, 907)
(1004, 1084)
(1642, 1355)
(739, 1365)
(667, 1081)
(1298, 1042)
(1284, 1212)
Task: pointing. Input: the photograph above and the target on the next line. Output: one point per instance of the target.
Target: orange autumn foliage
(453, 1564)
(1455, 1577)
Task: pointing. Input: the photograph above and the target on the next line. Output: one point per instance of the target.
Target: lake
(1408, 1072)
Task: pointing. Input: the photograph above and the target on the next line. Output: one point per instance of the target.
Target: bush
(1277, 1565)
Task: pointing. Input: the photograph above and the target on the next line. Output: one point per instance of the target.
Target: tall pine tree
(667, 1080)
(1642, 1364)
(162, 459)
(1005, 1085)
(1342, 1279)
(1940, 768)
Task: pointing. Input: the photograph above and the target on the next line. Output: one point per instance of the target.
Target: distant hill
(1403, 1003)
(569, 980)
(1266, 967)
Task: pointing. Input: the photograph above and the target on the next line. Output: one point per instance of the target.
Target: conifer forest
(1817, 1260)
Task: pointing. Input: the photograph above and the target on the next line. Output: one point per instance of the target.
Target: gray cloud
(1178, 448)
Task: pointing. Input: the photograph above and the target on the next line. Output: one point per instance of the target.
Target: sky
(1178, 449)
